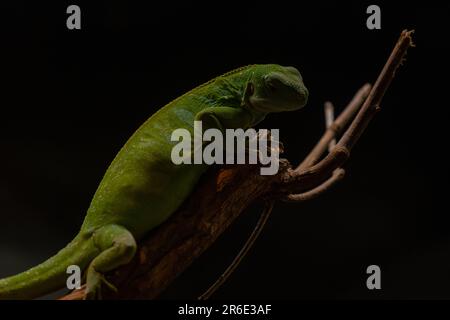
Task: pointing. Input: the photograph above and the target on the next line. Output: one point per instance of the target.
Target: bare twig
(247, 246)
(329, 119)
(344, 118)
(307, 176)
(337, 176)
(372, 103)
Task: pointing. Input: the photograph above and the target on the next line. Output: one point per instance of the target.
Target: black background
(71, 98)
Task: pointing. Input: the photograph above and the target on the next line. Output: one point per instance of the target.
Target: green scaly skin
(142, 187)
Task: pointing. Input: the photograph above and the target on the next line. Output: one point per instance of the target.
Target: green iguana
(143, 187)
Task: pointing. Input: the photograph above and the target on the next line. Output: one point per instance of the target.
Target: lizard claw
(95, 280)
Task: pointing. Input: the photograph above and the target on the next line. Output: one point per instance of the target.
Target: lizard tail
(50, 275)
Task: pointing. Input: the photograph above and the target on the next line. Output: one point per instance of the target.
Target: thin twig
(337, 176)
(329, 119)
(344, 118)
(372, 103)
(305, 177)
(247, 246)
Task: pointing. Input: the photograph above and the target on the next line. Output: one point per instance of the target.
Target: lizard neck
(228, 91)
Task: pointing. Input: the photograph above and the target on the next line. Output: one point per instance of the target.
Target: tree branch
(337, 174)
(336, 127)
(224, 193)
(329, 119)
(304, 176)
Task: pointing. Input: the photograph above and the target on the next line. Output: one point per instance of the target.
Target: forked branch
(224, 193)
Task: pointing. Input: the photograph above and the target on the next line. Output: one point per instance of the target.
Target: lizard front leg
(224, 118)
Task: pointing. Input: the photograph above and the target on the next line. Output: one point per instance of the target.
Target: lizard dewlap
(142, 187)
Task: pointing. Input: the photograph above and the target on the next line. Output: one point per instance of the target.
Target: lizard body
(142, 187)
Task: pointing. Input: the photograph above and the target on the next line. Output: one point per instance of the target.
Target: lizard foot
(94, 283)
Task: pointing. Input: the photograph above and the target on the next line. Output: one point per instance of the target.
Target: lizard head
(274, 88)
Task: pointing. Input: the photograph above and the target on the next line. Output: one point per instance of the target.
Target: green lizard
(143, 187)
